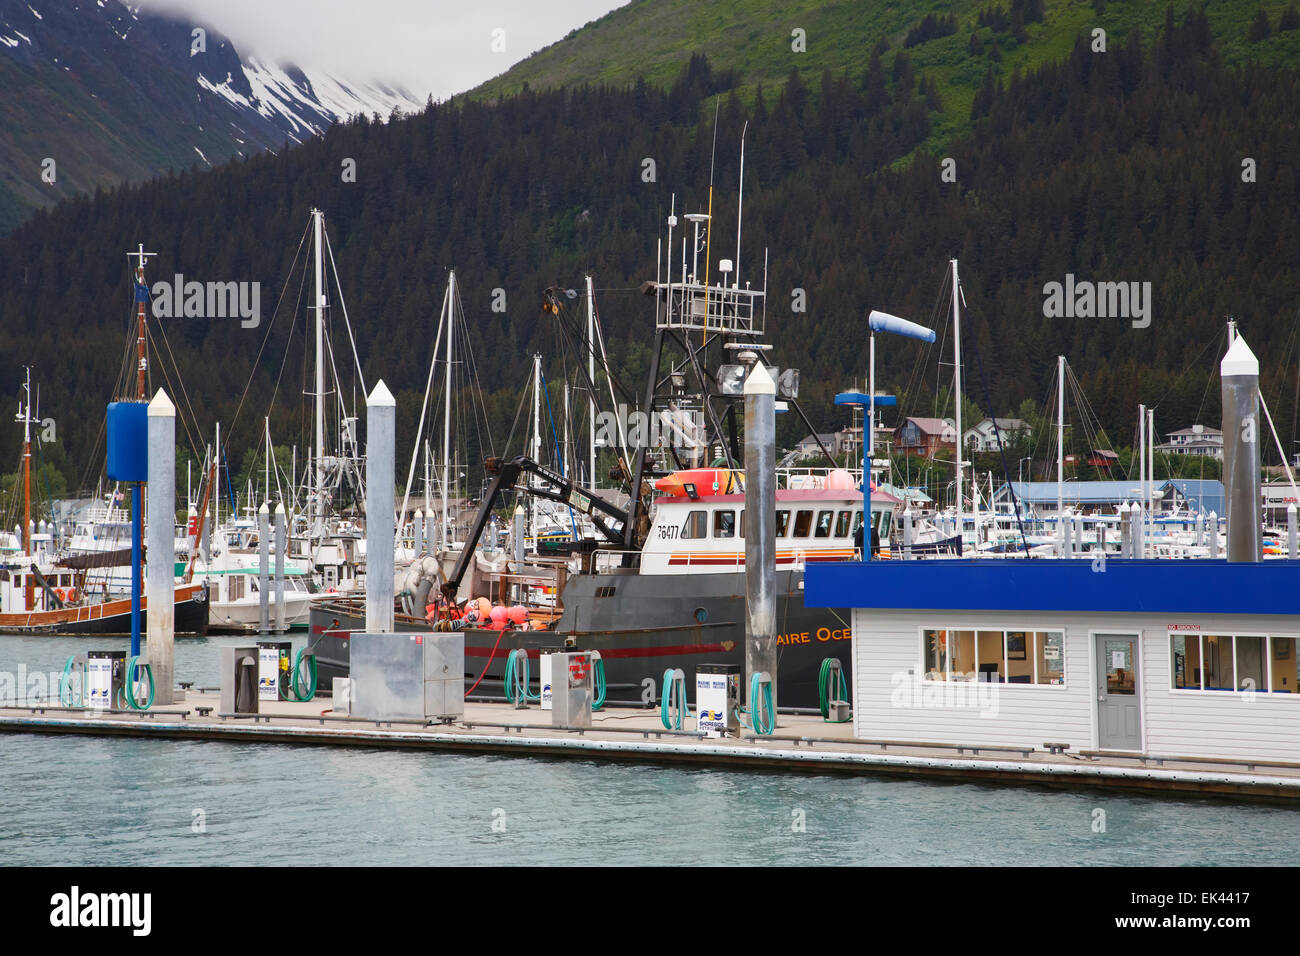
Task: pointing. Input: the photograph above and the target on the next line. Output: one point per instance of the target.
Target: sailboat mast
(537, 439)
(956, 372)
(591, 378)
(318, 476)
(142, 363)
(1060, 439)
(446, 410)
(26, 412)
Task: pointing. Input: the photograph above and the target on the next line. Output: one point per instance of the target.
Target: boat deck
(801, 744)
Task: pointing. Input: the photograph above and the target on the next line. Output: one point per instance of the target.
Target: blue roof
(1148, 586)
(1203, 495)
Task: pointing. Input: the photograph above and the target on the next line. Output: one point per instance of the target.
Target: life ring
(70, 595)
(60, 593)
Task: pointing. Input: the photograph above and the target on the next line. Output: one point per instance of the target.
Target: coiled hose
(129, 691)
(672, 706)
(599, 700)
(295, 690)
(762, 715)
(517, 677)
(831, 685)
(65, 686)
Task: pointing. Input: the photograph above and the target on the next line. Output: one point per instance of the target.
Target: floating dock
(801, 744)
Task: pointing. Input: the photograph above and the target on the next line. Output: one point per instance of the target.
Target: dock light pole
(878, 322)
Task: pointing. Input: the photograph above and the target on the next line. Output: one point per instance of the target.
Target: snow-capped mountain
(97, 93)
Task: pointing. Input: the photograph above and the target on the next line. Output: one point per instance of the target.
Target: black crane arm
(562, 490)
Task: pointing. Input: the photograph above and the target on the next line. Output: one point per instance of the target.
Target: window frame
(1031, 632)
(1219, 692)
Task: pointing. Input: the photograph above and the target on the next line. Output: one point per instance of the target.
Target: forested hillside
(1117, 166)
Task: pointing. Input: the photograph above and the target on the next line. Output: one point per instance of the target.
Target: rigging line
(178, 388)
(338, 284)
(424, 405)
(546, 392)
(267, 337)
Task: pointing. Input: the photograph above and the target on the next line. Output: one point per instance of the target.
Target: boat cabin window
(696, 526)
(724, 524)
(782, 523)
(842, 524)
(824, 519)
(802, 524)
(857, 522)
(994, 656)
(742, 522)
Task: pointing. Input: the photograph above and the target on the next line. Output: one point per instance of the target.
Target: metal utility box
(105, 679)
(546, 670)
(239, 680)
(407, 676)
(571, 694)
(273, 660)
(717, 699)
(342, 695)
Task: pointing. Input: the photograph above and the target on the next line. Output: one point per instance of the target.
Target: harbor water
(92, 800)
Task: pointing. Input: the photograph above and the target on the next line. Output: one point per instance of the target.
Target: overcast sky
(429, 46)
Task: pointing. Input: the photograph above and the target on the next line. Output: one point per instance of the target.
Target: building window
(802, 524)
(782, 523)
(696, 526)
(1227, 662)
(724, 524)
(994, 656)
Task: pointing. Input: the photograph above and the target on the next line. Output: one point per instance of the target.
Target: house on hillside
(1198, 440)
(924, 437)
(985, 435)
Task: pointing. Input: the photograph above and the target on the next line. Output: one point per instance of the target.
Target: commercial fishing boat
(664, 587)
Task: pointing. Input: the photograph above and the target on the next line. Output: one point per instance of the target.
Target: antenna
(740, 200)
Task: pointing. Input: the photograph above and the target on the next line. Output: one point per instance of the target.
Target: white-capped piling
(419, 532)
(1239, 382)
(160, 594)
(1214, 534)
(263, 569)
(381, 530)
(907, 533)
(1199, 538)
(760, 531)
(1125, 542)
(1291, 541)
(281, 553)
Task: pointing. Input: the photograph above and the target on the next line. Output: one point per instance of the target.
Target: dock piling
(760, 535)
(1239, 377)
(281, 550)
(381, 529)
(160, 608)
(264, 568)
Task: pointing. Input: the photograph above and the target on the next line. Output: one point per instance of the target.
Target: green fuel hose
(599, 700)
(132, 665)
(831, 685)
(65, 687)
(672, 705)
(295, 690)
(762, 716)
(517, 677)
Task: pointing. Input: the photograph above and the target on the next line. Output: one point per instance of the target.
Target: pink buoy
(518, 614)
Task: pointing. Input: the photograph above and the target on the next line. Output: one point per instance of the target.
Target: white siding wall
(886, 704)
(889, 703)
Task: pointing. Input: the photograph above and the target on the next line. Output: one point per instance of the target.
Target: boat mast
(318, 475)
(956, 359)
(142, 363)
(1142, 477)
(446, 410)
(537, 441)
(25, 416)
(1060, 441)
(591, 378)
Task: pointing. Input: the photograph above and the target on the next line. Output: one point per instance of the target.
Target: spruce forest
(1152, 162)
